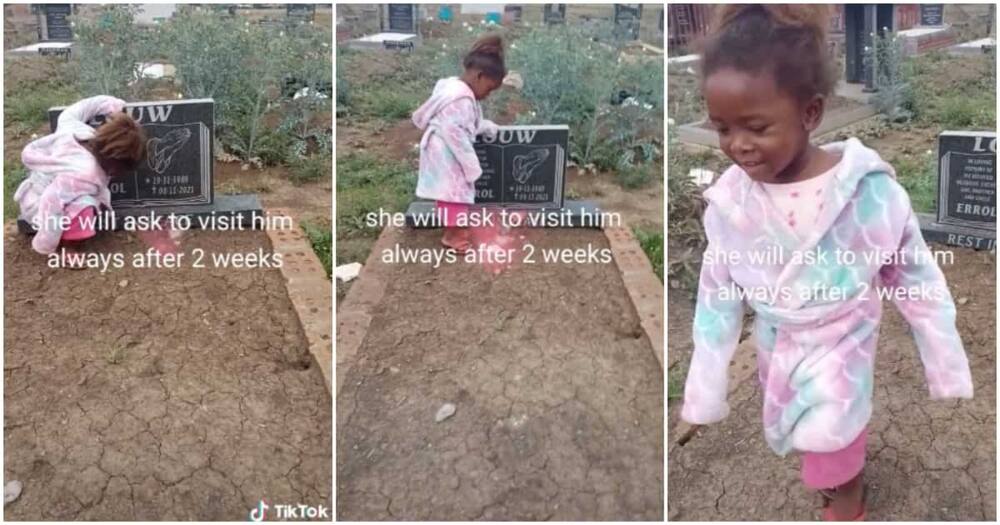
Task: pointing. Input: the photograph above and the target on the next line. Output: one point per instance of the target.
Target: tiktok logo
(258, 513)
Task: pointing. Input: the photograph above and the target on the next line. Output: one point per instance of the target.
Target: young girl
(70, 169)
(834, 213)
(451, 119)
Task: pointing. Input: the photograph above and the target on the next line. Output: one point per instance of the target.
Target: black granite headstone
(179, 155)
(627, 17)
(931, 14)
(967, 198)
(512, 13)
(554, 13)
(524, 167)
(56, 24)
(402, 18)
(301, 12)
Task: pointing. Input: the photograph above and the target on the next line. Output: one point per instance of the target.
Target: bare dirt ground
(158, 394)
(558, 396)
(927, 461)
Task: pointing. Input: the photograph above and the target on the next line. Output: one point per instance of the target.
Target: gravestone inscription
(57, 26)
(627, 19)
(179, 155)
(967, 198)
(402, 18)
(931, 14)
(523, 167)
(554, 13)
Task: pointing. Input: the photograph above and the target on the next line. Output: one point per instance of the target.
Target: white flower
(72, 24)
(246, 24)
(444, 46)
(929, 152)
(513, 46)
(180, 95)
(34, 135)
(281, 33)
(465, 24)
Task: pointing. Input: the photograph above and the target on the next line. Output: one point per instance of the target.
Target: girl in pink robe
(806, 236)
(451, 119)
(69, 171)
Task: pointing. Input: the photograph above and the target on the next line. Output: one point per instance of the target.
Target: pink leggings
(449, 212)
(77, 230)
(827, 470)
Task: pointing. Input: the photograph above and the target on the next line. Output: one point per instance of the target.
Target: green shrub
(109, 50)
(367, 184)
(311, 169)
(321, 239)
(13, 174)
(918, 176)
(652, 244)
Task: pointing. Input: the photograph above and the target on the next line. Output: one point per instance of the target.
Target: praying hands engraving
(525, 165)
(161, 150)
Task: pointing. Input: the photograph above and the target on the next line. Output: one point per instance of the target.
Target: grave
(177, 175)
(932, 14)
(56, 27)
(554, 14)
(512, 14)
(300, 13)
(967, 198)
(55, 34)
(400, 18)
(399, 30)
(524, 168)
(627, 18)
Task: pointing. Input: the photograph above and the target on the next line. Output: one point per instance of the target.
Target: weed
(652, 243)
(321, 239)
(13, 174)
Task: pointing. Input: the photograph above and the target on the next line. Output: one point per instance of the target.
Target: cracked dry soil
(559, 396)
(187, 394)
(926, 460)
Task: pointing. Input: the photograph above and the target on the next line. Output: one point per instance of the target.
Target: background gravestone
(300, 12)
(57, 26)
(554, 14)
(402, 18)
(179, 162)
(627, 18)
(932, 14)
(512, 13)
(967, 199)
(525, 167)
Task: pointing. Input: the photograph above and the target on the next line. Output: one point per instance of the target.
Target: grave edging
(644, 289)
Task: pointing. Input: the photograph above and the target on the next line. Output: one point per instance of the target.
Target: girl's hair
(486, 55)
(120, 138)
(787, 41)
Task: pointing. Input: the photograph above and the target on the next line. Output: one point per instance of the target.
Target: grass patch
(321, 239)
(31, 106)
(387, 103)
(675, 383)
(310, 169)
(954, 92)
(652, 243)
(13, 174)
(367, 184)
(918, 175)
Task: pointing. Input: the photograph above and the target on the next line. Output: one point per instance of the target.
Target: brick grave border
(308, 288)
(644, 289)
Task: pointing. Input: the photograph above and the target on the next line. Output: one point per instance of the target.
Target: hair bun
(490, 44)
(814, 18)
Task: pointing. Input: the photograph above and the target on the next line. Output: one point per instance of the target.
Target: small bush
(13, 174)
(633, 177)
(918, 176)
(321, 239)
(311, 169)
(110, 49)
(390, 104)
(652, 244)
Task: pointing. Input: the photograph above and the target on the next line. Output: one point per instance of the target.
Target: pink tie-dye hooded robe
(64, 177)
(450, 119)
(816, 353)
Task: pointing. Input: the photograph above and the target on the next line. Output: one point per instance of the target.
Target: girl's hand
(489, 129)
